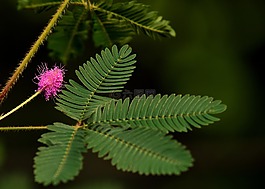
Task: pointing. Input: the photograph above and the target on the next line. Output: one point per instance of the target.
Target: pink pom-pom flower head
(50, 81)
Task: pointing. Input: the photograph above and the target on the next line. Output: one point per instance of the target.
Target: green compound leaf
(166, 113)
(31, 4)
(108, 31)
(69, 38)
(109, 23)
(61, 159)
(40, 5)
(107, 73)
(138, 16)
(141, 150)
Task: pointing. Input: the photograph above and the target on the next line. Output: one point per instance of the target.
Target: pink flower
(50, 81)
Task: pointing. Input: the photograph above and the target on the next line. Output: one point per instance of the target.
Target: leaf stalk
(16, 128)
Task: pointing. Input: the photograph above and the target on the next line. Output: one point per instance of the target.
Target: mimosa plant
(134, 134)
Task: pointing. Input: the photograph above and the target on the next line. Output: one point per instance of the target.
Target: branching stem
(43, 36)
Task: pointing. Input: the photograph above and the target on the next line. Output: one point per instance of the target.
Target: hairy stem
(23, 64)
(21, 105)
(16, 128)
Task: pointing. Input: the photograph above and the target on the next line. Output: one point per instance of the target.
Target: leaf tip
(219, 109)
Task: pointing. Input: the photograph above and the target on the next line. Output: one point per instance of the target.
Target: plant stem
(15, 128)
(23, 64)
(21, 105)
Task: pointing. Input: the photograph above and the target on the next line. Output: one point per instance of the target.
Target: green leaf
(61, 159)
(42, 4)
(37, 4)
(166, 113)
(108, 31)
(139, 17)
(141, 150)
(107, 73)
(68, 39)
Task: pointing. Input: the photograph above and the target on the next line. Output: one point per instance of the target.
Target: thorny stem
(16, 128)
(23, 64)
(21, 105)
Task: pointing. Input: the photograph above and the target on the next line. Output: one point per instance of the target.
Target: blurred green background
(218, 51)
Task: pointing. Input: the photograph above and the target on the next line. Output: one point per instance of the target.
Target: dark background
(218, 51)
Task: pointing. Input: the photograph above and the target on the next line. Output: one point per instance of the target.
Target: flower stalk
(21, 105)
